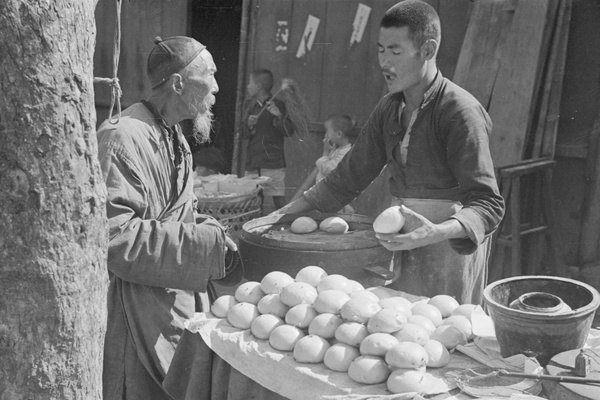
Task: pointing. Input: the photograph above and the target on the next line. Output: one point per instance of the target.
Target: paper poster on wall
(281, 36)
(360, 23)
(308, 38)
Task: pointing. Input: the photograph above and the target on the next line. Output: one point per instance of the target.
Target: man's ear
(176, 82)
(429, 48)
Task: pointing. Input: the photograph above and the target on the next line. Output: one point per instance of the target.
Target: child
(266, 126)
(339, 136)
(336, 143)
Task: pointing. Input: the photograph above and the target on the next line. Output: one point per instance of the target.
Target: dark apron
(438, 268)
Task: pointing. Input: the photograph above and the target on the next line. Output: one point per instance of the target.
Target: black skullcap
(170, 56)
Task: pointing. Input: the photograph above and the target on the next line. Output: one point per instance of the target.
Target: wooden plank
(454, 19)
(549, 55)
(547, 81)
(483, 46)
(512, 100)
(552, 117)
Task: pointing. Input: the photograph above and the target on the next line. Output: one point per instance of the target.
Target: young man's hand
(418, 231)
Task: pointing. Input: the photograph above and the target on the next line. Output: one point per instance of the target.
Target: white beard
(203, 121)
(202, 126)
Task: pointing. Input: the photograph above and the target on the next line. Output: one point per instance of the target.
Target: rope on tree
(116, 92)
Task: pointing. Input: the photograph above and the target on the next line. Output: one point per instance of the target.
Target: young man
(158, 254)
(266, 126)
(433, 137)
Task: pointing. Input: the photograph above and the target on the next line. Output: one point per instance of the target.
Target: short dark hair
(342, 123)
(264, 77)
(421, 19)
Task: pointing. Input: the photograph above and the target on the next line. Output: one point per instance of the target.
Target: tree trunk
(53, 232)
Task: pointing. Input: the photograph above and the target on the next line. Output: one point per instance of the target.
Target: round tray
(274, 231)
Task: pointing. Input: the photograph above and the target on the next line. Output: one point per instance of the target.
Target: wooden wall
(577, 158)
(141, 22)
(334, 76)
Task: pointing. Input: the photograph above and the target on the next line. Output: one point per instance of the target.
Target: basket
(232, 211)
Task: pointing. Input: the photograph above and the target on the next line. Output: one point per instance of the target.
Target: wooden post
(236, 166)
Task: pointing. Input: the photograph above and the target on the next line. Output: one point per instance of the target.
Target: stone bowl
(540, 334)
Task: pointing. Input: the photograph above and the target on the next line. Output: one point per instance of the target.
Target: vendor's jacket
(448, 158)
(158, 255)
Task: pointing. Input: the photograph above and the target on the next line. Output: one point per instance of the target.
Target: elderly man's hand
(231, 245)
(418, 231)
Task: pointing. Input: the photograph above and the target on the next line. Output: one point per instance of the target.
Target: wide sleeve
(468, 154)
(170, 253)
(359, 167)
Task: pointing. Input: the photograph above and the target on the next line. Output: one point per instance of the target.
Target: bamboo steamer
(267, 244)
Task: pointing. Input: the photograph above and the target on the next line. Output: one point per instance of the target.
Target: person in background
(265, 127)
(433, 137)
(162, 257)
(336, 143)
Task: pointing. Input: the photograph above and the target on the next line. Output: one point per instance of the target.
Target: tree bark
(53, 233)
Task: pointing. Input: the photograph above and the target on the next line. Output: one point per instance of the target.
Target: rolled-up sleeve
(469, 157)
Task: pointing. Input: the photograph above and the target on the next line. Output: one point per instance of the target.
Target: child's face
(252, 87)
(331, 135)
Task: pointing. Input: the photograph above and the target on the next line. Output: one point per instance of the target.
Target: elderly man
(161, 256)
(433, 137)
